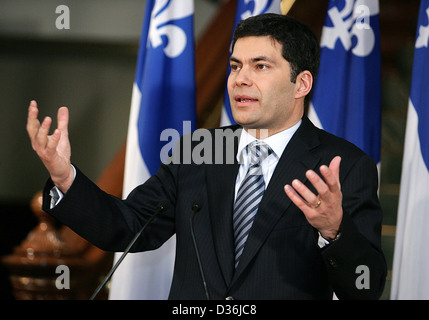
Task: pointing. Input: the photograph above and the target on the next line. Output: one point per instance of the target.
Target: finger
(335, 166)
(318, 183)
(42, 133)
(53, 140)
(63, 119)
(305, 192)
(296, 198)
(33, 123)
(332, 174)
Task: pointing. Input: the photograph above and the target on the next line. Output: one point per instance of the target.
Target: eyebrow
(253, 60)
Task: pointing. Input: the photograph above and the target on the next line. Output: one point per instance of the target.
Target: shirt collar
(277, 142)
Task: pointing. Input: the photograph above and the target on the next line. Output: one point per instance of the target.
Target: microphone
(196, 207)
(162, 206)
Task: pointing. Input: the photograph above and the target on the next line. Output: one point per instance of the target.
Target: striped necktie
(249, 195)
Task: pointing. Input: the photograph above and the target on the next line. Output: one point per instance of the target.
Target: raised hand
(323, 211)
(54, 150)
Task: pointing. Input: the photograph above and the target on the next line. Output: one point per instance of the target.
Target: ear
(303, 84)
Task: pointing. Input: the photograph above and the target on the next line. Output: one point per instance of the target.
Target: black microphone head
(163, 205)
(196, 206)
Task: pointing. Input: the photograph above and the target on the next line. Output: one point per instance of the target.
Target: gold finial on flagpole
(285, 6)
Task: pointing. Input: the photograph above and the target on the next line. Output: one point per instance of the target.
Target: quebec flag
(410, 274)
(163, 98)
(245, 9)
(347, 94)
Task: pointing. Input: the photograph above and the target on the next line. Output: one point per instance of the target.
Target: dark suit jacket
(281, 260)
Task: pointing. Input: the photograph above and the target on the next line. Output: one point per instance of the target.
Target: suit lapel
(220, 186)
(294, 162)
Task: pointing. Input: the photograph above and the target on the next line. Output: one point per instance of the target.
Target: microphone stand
(195, 208)
(162, 206)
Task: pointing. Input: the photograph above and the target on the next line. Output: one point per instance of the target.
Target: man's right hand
(54, 150)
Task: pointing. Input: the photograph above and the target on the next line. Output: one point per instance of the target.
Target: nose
(243, 77)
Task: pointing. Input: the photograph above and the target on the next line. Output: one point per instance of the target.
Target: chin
(242, 118)
(242, 122)
(247, 124)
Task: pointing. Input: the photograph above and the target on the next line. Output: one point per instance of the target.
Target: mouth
(245, 99)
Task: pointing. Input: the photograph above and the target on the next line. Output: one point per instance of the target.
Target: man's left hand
(323, 211)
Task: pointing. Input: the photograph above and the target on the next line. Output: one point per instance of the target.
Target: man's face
(260, 91)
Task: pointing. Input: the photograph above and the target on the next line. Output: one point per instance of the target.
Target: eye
(235, 67)
(261, 66)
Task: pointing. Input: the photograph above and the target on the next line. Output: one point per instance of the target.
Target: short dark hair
(300, 46)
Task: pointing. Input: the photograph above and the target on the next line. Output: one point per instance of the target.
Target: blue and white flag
(163, 98)
(410, 274)
(245, 9)
(347, 94)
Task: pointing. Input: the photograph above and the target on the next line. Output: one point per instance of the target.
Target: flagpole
(285, 6)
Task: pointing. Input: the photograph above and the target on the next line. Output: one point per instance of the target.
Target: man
(317, 226)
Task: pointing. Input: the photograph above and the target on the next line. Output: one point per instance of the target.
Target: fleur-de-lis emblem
(163, 14)
(351, 21)
(423, 38)
(259, 7)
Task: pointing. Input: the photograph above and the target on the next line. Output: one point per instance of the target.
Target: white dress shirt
(277, 143)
